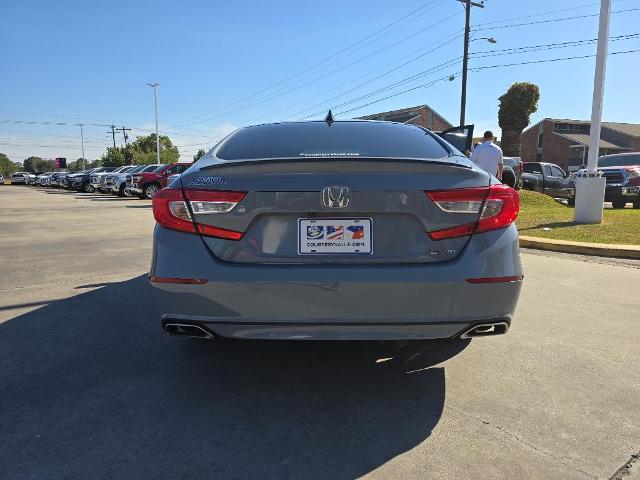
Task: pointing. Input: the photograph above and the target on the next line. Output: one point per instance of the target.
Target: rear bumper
(356, 302)
(318, 329)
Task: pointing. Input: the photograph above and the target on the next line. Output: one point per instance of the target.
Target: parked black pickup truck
(547, 178)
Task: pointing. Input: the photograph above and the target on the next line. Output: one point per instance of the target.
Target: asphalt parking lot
(90, 387)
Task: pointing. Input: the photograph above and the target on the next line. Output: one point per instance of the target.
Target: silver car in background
(19, 178)
(98, 180)
(355, 230)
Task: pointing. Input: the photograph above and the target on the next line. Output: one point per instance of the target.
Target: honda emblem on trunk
(335, 197)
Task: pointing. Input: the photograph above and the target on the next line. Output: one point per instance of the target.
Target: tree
(114, 157)
(516, 107)
(39, 165)
(77, 165)
(144, 150)
(7, 167)
(140, 152)
(31, 163)
(201, 153)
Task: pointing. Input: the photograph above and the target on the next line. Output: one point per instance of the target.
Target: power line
(549, 60)
(540, 14)
(320, 62)
(479, 55)
(290, 90)
(547, 46)
(426, 85)
(449, 63)
(502, 26)
(33, 122)
(484, 67)
(451, 39)
(551, 20)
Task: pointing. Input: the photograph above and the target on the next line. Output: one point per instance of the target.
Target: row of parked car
(143, 181)
(621, 171)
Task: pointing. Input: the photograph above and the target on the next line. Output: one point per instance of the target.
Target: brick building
(566, 142)
(422, 115)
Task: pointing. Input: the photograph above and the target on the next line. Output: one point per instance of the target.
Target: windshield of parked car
(619, 160)
(158, 169)
(338, 140)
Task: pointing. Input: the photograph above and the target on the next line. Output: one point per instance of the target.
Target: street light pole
(590, 185)
(84, 161)
(465, 57)
(155, 101)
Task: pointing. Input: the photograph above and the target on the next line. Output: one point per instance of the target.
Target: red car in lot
(147, 184)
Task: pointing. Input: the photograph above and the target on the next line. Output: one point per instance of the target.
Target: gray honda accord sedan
(354, 230)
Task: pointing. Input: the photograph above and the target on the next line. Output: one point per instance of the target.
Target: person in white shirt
(488, 156)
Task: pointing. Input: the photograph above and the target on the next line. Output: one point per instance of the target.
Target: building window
(540, 139)
(571, 127)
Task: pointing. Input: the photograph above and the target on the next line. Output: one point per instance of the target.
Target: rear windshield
(619, 161)
(532, 168)
(340, 140)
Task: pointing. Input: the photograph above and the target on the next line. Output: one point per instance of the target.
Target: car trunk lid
(387, 209)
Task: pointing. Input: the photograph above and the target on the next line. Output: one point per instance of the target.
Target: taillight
(170, 210)
(521, 165)
(498, 206)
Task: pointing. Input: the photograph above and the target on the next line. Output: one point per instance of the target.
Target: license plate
(334, 236)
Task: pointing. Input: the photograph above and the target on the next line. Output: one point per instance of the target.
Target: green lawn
(538, 211)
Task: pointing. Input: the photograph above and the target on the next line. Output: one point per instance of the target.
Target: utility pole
(84, 160)
(155, 101)
(465, 58)
(113, 134)
(590, 185)
(124, 133)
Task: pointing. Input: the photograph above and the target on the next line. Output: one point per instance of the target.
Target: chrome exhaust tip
(485, 330)
(186, 330)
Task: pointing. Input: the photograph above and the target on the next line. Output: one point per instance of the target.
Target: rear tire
(636, 204)
(121, 190)
(619, 203)
(509, 178)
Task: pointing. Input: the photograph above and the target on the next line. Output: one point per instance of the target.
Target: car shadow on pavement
(113, 199)
(91, 388)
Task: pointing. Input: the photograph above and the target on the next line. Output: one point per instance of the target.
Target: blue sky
(70, 62)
